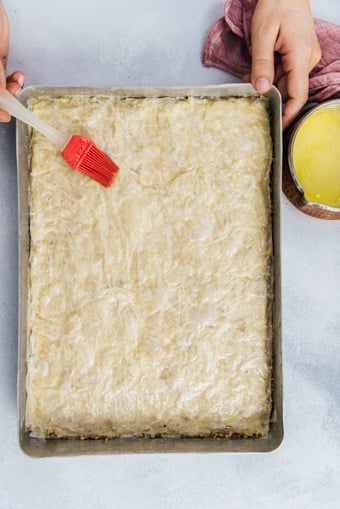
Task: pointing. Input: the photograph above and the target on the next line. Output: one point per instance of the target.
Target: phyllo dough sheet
(149, 301)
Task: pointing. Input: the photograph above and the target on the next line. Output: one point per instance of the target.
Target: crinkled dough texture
(149, 301)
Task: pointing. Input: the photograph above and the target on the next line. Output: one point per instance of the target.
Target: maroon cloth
(229, 42)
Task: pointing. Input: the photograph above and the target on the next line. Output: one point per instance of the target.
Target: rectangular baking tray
(63, 447)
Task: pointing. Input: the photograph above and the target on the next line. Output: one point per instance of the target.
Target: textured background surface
(114, 42)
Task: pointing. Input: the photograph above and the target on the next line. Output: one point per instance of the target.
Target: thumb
(262, 69)
(2, 78)
(4, 43)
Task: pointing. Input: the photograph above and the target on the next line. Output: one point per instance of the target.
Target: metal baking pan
(62, 447)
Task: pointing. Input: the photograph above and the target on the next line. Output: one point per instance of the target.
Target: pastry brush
(79, 152)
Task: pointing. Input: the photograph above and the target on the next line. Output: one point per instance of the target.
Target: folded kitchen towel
(229, 42)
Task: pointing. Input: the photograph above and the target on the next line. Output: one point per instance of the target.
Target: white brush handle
(10, 104)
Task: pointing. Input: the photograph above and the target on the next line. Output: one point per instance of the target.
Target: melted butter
(316, 157)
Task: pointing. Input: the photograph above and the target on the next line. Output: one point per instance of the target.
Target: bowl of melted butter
(314, 159)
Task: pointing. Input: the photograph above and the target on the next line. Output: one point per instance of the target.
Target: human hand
(287, 28)
(15, 81)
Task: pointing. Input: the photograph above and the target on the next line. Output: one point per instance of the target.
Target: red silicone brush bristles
(83, 155)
